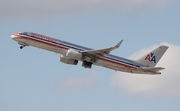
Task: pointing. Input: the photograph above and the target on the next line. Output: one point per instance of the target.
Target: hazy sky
(33, 79)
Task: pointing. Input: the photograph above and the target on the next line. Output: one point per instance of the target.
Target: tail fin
(152, 58)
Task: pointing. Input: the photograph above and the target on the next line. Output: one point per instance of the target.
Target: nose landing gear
(21, 47)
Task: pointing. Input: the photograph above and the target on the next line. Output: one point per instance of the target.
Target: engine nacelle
(68, 61)
(73, 54)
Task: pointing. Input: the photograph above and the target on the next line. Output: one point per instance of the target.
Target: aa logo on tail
(151, 57)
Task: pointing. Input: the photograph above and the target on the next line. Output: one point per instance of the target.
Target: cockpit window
(25, 33)
(20, 33)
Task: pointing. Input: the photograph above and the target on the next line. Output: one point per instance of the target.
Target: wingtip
(119, 43)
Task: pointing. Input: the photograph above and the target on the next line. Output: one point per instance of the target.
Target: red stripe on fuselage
(115, 62)
(45, 42)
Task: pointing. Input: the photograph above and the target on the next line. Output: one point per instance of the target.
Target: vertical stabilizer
(152, 58)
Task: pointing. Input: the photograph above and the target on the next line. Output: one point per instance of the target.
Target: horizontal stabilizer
(153, 69)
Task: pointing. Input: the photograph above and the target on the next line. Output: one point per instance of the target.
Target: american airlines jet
(71, 53)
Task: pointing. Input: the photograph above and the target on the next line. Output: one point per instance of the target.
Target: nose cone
(13, 37)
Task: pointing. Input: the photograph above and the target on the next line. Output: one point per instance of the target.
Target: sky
(33, 79)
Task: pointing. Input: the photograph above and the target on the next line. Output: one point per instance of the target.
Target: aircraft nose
(13, 36)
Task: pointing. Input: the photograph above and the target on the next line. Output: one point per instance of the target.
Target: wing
(101, 52)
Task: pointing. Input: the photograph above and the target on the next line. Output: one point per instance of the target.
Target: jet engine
(73, 54)
(68, 61)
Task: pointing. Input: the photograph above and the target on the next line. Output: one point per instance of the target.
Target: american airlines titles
(46, 38)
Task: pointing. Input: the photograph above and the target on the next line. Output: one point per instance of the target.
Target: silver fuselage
(61, 47)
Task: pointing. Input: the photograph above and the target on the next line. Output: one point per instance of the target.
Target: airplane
(71, 53)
